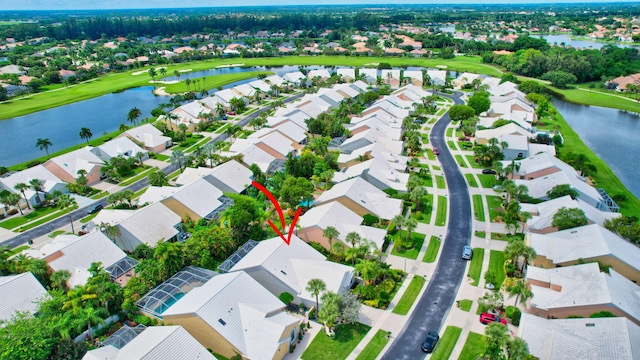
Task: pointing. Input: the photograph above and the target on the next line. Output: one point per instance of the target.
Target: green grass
(409, 296)
(496, 266)
(198, 144)
(472, 161)
(220, 357)
(597, 98)
(487, 181)
(473, 347)
(476, 265)
(430, 154)
(42, 221)
(162, 157)
(460, 161)
(478, 209)
(452, 145)
(432, 250)
(441, 112)
(375, 346)
(86, 219)
(440, 182)
(436, 167)
(18, 220)
(138, 177)
(471, 180)
(347, 338)
(416, 239)
(215, 81)
(449, 132)
(441, 214)
(495, 206)
(56, 233)
(499, 236)
(222, 128)
(465, 305)
(447, 343)
(425, 216)
(17, 250)
(140, 192)
(100, 195)
(481, 234)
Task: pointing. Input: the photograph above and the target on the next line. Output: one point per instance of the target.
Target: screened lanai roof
(158, 300)
(123, 336)
(121, 267)
(237, 256)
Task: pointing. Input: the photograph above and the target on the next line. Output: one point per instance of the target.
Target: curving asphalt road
(24, 237)
(437, 300)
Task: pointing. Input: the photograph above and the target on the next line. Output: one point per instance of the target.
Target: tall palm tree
(315, 287)
(152, 72)
(85, 134)
(14, 200)
(418, 194)
(210, 152)
(330, 233)
(520, 290)
(44, 144)
(123, 127)
(36, 185)
(133, 115)
(368, 269)
(68, 203)
(163, 71)
(22, 187)
(93, 316)
(178, 158)
(353, 238)
(176, 73)
(399, 221)
(410, 224)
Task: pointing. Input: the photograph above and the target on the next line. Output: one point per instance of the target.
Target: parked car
(231, 113)
(95, 209)
(224, 117)
(436, 151)
(498, 188)
(417, 121)
(430, 342)
(467, 252)
(487, 318)
(489, 171)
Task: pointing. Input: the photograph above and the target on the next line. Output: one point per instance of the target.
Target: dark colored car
(467, 252)
(436, 151)
(224, 117)
(430, 342)
(489, 171)
(95, 209)
(487, 318)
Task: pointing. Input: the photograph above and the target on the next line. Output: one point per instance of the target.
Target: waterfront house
(150, 137)
(50, 183)
(66, 166)
(20, 293)
(121, 146)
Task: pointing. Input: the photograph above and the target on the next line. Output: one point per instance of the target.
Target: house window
(293, 335)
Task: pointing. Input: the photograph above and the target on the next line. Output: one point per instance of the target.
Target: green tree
(349, 307)
(567, 218)
(169, 257)
(209, 246)
(417, 194)
(315, 287)
(461, 112)
(330, 233)
(559, 79)
(492, 300)
(153, 73)
(562, 190)
(520, 290)
(330, 311)
(296, 189)
(245, 217)
(22, 187)
(133, 115)
(36, 185)
(480, 102)
(496, 338)
(625, 226)
(93, 316)
(44, 144)
(158, 178)
(178, 159)
(14, 200)
(85, 134)
(67, 203)
(25, 337)
(517, 349)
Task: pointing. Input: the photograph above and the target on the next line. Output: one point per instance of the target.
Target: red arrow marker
(276, 204)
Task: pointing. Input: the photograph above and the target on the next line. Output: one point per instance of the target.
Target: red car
(231, 113)
(436, 151)
(487, 318)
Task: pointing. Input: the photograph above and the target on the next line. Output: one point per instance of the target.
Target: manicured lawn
(222, 128)
(86, 219)
(162, 157)
(436, 167)
(465, 305)
(481, 234)
(496, 266)
(18, 220)
(440, 182)
(471, 180)
(500, 236)
(426, 181)
(56, 233)
(495, 206)
(476, 265)
(487, 181)
(597, 98)
(347, 338)
(452, 145)
(416, 238)
(432, 250)
(449, 132)
(441, 214)
(472, 161)
(409, 296)
(473, 347)
(461, 161)
(447, 343)
(42, 220)
(427, 209)
(138, 177)
(17, 250)
(478, 209)
(215, 81)
(430, 154)
(373, 348)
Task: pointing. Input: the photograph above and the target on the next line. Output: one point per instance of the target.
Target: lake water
(558, 39)
(611, 134)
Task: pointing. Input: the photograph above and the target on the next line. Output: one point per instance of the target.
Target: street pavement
(437, 300)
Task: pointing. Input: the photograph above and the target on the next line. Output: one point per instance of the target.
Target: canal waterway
(579, 44)
(612, 134)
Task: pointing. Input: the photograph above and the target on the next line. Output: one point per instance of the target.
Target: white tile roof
(255, 155)
(366, 195)
(538, 187)
(116, 147)
(588, 339)
(152, 223)
(233, 176)
(226, 95)
(200, 196)
(291, 130)
(274, 80)
(386, 73)
(294, 77)
(348, 89)
(37, 172)
(538, 162)
(81, 159)
(370, 74)
(331, 214)
(584, 285)
(19, 293)
(259, 84)
(253, 318)
(508, 129)
(190, 174)
(245, 89)
(148, 135)
(542, 213)
(347, 72)
(322, 73)
(377, 169)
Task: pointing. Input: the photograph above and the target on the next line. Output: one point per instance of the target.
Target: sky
(142, 4)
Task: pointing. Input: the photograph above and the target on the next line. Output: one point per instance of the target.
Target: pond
(558, 39)
(611, 134)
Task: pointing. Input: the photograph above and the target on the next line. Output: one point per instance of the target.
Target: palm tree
(410, 224)
(168, 256)
(123, 128)
(85, 134)
(315, 287)
(163, 71)
(178, 158)
(368, 269)
(330, 233)
(188, 83)
(176, 73)
(14, 200)
(44, 144)
(22, 187)
(93, 316)
(399, 221)
(152, 72)
(520, 290)
(418, 194)
(133, 115)
(68, 203)
(210, 152)
(337, 249)
(36, 185)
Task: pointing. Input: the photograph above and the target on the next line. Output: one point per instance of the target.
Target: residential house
(274, 80)
(514, 110)
(498, 88)
(260, 85)
(483, 136)
(391, 77)
(414, 76)
(437, 77)
(189, 114)
(233, 314)
(588, 339)
(370, 75)
(297, 78)
(620, 83)
(362, 198)
(281, 267)
(588, 243)
(66, 166)
(20, 293)
(582, 290)
(323, 74)
(154, 342)
(348, 75)
(318, 218)
(244, 90)
(120, 146)
(150, 137)
(465, 79)
(50, 181)
(229, 177)
(12, 69)
(378, 172)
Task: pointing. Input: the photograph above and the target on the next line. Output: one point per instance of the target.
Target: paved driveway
(437, 300)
